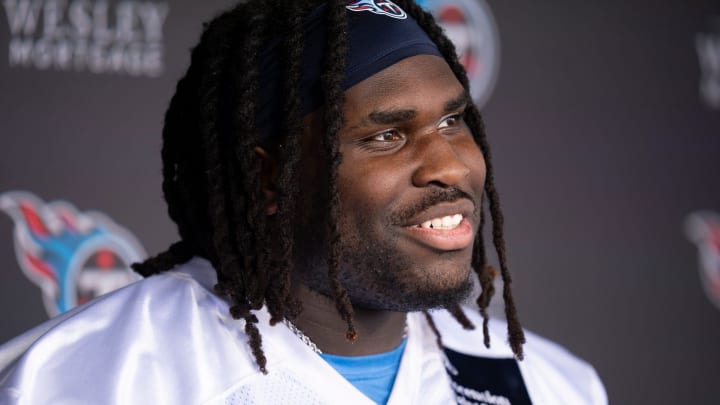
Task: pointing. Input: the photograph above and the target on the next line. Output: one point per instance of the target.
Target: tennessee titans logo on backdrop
(470, 25)
(387, 8)
(703, 228)
(72, 256)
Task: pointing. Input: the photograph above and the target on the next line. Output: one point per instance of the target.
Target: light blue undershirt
(374, 375)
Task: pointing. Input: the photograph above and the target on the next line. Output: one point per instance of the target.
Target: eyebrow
(457, 103)
(394, 116)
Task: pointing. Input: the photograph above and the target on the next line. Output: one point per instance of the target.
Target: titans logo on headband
(387, 8)
(72, 256)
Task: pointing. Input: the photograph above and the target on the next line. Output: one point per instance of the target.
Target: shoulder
(168, 327)
(550, 373)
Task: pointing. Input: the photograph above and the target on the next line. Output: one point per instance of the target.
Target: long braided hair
(211, 180)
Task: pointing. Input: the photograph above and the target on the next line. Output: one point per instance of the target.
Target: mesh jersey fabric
(169, 339)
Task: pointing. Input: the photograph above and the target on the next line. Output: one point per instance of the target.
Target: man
(326, 168)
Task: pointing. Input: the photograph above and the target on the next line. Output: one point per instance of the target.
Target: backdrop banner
(604, 122)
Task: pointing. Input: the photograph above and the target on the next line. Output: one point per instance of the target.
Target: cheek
(367, 189)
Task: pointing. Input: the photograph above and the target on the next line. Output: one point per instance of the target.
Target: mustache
(433, 197)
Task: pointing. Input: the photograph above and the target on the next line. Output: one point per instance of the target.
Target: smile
(456, 235)
(444, 227)
(447, 222)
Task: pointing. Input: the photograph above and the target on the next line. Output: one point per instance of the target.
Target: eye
(385, 141)
(387, 136)
(450, 121)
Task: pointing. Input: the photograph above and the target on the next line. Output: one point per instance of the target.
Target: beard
(380, 276)
(376, 278)
(381, 279)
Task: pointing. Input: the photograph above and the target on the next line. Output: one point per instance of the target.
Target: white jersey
(170, 340)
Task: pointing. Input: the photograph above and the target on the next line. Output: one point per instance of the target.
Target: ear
(269, 171)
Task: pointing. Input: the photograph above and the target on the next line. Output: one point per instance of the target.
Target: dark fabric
(480, 380)
(376, 41)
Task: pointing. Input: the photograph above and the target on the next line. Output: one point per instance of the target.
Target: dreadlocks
(215, 197)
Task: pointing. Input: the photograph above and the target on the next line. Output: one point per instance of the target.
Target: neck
(378, 331)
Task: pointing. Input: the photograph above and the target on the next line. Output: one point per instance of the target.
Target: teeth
(447, 222)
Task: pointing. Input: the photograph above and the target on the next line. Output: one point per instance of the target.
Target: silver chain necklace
(309, 343)
(303, 337)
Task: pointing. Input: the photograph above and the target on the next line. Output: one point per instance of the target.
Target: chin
(405, 297)
(381, 276)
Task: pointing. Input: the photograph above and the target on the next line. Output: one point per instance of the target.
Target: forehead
(419, 81)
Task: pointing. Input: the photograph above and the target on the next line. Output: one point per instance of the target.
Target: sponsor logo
(703, 229)
(387, 8)
(124, 37)
(471, 27)
(72, 256)
(707, 46)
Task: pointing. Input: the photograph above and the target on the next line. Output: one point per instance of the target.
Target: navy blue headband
(378, 37)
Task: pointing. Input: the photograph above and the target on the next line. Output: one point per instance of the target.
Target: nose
(438, 163)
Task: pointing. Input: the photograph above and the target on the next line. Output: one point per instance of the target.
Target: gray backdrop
(605, 130)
